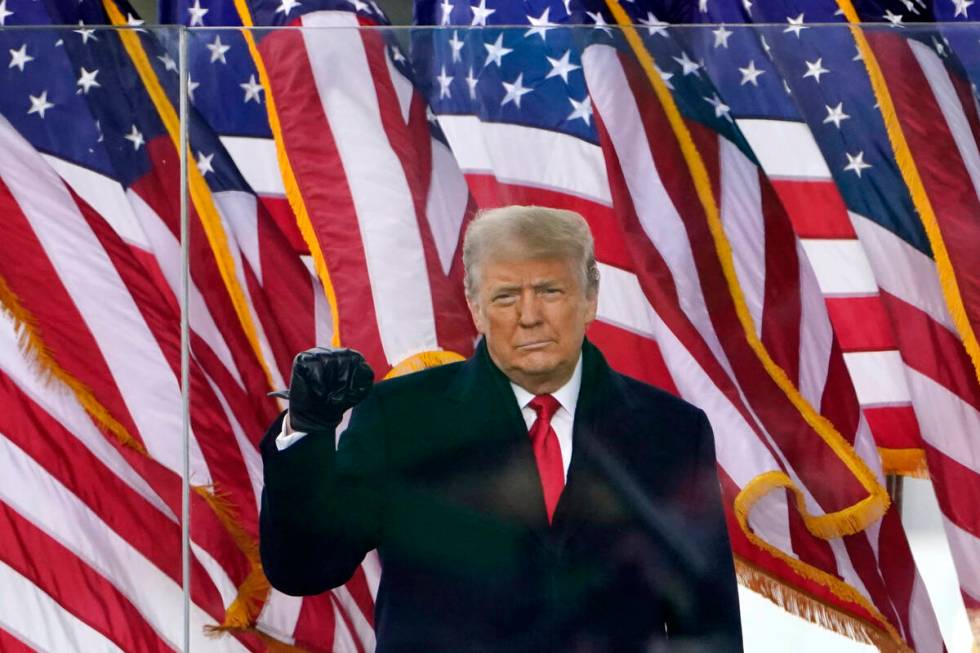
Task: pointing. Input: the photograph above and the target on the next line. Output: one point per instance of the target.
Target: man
(527, 499)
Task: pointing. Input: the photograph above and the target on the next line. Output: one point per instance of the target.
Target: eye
(503, 299)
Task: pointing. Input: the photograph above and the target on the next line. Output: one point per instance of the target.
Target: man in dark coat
(528, 499)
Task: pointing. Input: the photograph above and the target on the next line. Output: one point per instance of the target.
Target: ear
(592, 306)
(477, 314)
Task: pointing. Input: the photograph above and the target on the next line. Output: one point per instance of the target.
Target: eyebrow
(536, 286)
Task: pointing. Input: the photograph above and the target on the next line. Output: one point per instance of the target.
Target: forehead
(501, 271)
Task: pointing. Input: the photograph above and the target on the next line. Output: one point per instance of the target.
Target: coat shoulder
(646, 397)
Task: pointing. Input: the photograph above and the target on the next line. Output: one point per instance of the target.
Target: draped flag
(784, 220)
(699, 256)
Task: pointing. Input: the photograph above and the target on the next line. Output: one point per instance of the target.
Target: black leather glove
(324, 384)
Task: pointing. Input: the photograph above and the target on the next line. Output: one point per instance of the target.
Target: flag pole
(185, 426)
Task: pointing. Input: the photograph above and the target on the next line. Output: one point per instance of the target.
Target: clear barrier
(785, 232)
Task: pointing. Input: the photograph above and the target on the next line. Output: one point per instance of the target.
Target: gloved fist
(324, 384)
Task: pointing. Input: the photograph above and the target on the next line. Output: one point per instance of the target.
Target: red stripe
(782, 310)
(610, 245)
(838, 402)
(322, 182)
(957, 490)
(78, 588)
(346, 618)
(817, 465)
(861, 323)
(866, 565)
(894, 427)
(282, 215)
(156, 537)
(810, 549)
(25, 266)
(972, 604)
(632, 354)
(897, 568)
(315, 625)
(933, 350)
(940, 165)
(815, 208)
(361, 593)
(10, 644)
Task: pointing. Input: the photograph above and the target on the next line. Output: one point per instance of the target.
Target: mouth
(535, 345)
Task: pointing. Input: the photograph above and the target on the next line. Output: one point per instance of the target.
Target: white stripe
(343, 639)
(323, 321)
(139, 369)
(44, 501)
(362, 629)
(528, 156)
(371, 565)
(257, 160)
(901, 270)
(785, 149)
(816, 333)
(655, 210)
(380, 191)
(219, 577)
(33, 617)
(965, 549)
(238, 212)
(250, 454)
(948, 423)
(841, 266)
(279, 615)
(165, 248)
(922, 618)
(878, 377)
(845, 568)
(58, 402)
(741, 216)
(949, 103)
(107, 196)
(445, 205)
(769, 518)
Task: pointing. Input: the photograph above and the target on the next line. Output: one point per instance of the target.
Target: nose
(528, 310)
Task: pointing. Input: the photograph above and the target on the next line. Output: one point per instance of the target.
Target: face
(533, 315)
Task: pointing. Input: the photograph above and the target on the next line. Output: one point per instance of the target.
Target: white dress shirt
(562, 421)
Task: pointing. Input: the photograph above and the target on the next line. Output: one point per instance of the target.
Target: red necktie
(547, 452)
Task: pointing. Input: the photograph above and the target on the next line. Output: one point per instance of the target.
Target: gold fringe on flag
(422, 361)
(904, 462)
(809, 607)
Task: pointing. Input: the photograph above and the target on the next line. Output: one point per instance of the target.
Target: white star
(457, 45)
(815, 69)
(894, 19)
(359, 5)
(857, 54)
(581, 110)
(766, 47)
(795, 25)
(687, 66)
(39, 104)
(481, 13)
(444, 82)
(136, 138)
(85, 33)
(600, 22)
(721, 36)
(204, 163)
(962, 7)
(471, 82)
(721, 109)
(654, 25)
(835, 114)
(747, 4)
(397, 55)
(856, 163)
(218, 49)
(252, 90)
(561, 67)
(168, 62)
(287, 6)
(515, 91)
(133, 21)
(750, 74)
(665, 76)
(540, 25)
(703, 6)
(191, 85)
(4, 13)
(87, 80)
(19, 57)
(197, 13)
(940, 47)
(447, 9)
(496, 51)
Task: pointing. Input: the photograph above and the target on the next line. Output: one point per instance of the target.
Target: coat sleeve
(709, 619)
(322, 505)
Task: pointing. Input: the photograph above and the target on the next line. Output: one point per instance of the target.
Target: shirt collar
(567, 395)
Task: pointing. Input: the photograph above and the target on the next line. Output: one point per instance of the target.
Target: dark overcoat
(437, 472)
